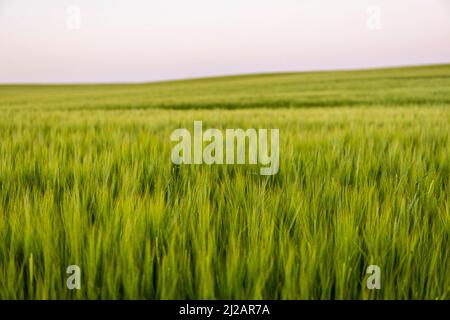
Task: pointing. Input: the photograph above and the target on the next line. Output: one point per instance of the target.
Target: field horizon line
(230, 76)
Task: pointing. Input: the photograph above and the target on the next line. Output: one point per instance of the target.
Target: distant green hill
(427, 85)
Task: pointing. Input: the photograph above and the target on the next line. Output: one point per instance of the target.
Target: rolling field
(86, 179)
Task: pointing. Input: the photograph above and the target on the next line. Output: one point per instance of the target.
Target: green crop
(86, 179)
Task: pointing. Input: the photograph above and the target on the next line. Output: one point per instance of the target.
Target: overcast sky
(148, 40)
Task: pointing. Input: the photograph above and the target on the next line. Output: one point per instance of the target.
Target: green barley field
(86, 179)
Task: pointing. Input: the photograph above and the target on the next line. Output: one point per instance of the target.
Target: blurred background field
(429, 85)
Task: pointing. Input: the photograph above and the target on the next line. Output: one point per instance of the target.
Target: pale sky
(150, 40)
